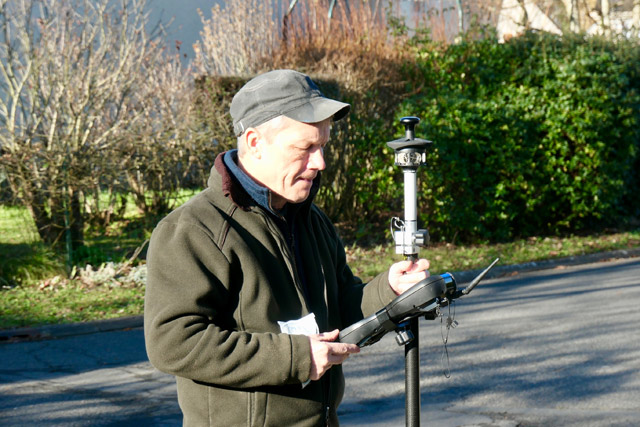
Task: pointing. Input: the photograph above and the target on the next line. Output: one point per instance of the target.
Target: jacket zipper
(290, 255)
(290, 243)
(326, 416)
(293, 267)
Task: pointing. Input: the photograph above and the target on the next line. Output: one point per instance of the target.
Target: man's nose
(316, 160)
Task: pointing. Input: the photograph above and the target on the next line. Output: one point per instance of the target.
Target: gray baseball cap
(282, 93)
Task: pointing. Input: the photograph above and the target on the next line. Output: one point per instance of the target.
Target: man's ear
(254, 143)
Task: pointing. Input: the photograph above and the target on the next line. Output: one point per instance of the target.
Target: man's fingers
(406, 266)
(327, 336)
(418, 266)
(405, 286)
(414, 277)
(338, 353)
(404, 274)
(344, 348)
(337, 359)
(401, 267)
(325, 353)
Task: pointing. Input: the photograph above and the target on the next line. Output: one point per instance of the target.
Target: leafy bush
(539, 135)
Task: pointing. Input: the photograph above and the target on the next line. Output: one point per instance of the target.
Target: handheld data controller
(422, 299)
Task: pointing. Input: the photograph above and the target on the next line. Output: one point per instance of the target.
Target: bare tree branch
(87, 90)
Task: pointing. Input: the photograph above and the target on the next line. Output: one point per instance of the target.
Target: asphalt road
(552, 347)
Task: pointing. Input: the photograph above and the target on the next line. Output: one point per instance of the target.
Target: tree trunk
(571, 7)
(606, 17)
(49, 224)
(460, 17)
(56, 220)
(636, 17)
(525, 16)
(76, 221)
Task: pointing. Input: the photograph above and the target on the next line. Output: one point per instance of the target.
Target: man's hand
(325, 353)
(405, 274)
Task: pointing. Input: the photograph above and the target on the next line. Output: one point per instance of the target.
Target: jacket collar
(244, 196)
(260, 194)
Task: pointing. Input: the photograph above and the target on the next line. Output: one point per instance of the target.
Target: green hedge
(539, 135)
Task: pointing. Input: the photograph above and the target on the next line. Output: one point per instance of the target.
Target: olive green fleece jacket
(221, 275)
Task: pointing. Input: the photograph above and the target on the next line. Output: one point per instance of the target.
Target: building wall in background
(186, 25)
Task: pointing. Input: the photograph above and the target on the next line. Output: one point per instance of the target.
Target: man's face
(292, 159)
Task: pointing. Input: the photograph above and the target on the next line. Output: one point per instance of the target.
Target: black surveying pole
(410, 153)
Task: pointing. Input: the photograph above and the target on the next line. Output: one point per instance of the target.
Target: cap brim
(318, 110)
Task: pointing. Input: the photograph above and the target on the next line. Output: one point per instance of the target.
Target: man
(244, 276)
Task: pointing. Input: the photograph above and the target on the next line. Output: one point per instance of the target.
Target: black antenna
(478, 278)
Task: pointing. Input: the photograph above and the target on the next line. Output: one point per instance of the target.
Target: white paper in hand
(306, 325)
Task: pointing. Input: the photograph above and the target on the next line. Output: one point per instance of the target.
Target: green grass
(32, 305)
(36, 289)
(35, 285)
(366, 263)
(23, 258)
(17, 226)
